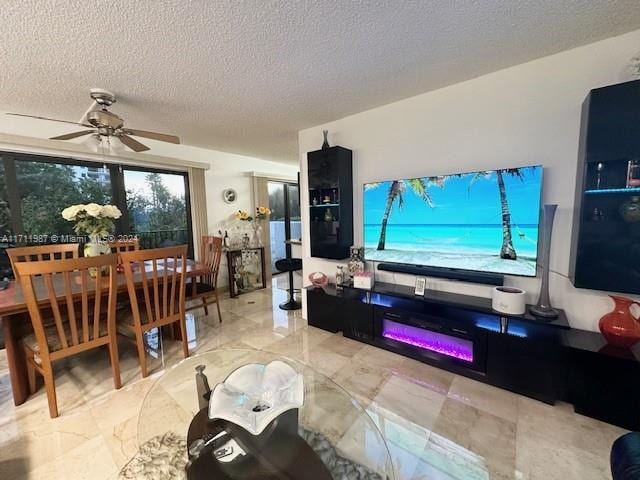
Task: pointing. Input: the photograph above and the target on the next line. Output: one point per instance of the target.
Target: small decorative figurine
(325, 143)
(318, 279)
(328, 216)
(356, 261)
(340, 277)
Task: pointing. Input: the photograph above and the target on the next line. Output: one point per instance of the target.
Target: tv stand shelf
(478, 304)
(545, 360)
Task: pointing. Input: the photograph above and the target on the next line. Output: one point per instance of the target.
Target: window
(35, 189)
(157, 207)
(47, 188)
(5, 223)
(284, 222)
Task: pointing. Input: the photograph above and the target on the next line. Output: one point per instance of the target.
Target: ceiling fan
(104, 124)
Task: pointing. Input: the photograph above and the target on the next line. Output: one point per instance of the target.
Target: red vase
(620, 327)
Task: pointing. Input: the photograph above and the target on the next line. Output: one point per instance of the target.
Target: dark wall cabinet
(330, 202)
(606, 229)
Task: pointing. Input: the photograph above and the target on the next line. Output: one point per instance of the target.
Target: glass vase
(94, 248)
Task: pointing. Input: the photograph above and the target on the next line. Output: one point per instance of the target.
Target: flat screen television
(484, 221)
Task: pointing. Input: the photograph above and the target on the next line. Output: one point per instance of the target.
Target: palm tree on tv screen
(396, 193)
(507, 251)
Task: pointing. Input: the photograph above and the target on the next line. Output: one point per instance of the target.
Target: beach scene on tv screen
(484, 221)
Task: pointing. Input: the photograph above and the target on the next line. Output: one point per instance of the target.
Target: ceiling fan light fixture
(93, 142)
(115, 146)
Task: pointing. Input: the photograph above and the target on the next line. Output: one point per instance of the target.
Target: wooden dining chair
(83, 309)
(205, 286)
(124, 245)
(160, 275)
(57, 251)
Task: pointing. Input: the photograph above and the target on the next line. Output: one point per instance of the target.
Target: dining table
(16, 323)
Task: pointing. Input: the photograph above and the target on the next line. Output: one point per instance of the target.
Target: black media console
(548, 361)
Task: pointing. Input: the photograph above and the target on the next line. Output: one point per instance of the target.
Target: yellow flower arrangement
(261, 214)
(243, 215)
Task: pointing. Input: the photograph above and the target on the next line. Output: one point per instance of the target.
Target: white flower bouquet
(92, 219)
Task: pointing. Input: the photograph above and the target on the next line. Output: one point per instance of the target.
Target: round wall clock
(229, 195)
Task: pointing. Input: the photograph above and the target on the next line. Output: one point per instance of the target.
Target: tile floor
(437, 425)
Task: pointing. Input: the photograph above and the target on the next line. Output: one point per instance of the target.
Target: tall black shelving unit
(606, 234)
(330, 202)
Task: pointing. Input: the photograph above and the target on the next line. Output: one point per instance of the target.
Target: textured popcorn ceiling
(244, 76)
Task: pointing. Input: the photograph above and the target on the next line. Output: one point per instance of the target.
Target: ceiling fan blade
(50, 119)
(69, 136)
(163, 137)
(134, 145)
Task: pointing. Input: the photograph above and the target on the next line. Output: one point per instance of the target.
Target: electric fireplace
(434, 338)
(444, 344)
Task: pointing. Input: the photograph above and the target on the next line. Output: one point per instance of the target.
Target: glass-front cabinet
(330, 202)
(606, 233)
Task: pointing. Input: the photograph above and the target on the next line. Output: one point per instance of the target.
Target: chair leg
(50, 386)
(115, 363)
(204, 304)
(142, 355)
(31, 374)
(218, 307)
(185, 341)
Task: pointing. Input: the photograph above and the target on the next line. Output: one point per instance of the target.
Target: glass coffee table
(332, 436)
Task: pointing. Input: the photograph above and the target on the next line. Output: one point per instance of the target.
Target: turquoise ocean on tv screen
(462, 226)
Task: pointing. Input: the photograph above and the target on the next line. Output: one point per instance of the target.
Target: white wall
(235, 171)
(524, 115)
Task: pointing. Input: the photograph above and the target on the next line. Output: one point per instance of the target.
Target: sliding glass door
(284, 222)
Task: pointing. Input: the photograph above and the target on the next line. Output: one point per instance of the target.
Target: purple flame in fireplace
(429, 340)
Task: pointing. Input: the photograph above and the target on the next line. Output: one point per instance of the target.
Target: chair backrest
(39, 253)
(128, 245)
(81, 295)
(161, 273)
(211, 253)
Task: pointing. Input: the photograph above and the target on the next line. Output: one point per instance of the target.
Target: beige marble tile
(90, 461)
(495, 401)
(342, 345)
(362, 381)
(122, 441)
(487, 439)
(122, 404)
(427, 376)
(326, 362)
(161, 414)
(543, 457)
(411, 401)
(406, 440)
(299, 344)
(564, 427)
(377, 357)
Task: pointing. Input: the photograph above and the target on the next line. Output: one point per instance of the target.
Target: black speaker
(447, 273)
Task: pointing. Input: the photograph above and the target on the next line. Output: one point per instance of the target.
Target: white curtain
(198, 208)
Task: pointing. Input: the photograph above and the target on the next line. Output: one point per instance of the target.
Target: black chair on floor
(625, 457)
(290, 265)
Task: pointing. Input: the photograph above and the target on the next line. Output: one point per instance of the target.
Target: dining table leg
(16, 358)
